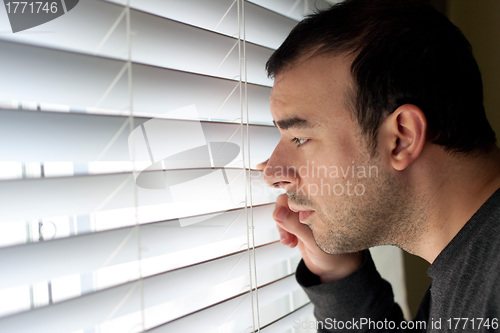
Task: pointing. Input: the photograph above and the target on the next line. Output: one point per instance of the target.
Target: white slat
(49, 136)
(221, 16)
(156, 41)
(300, 321)
(295, 9)
(118, 194)
(169, 296)
(236, 315)
(100, 85)
(165, 246)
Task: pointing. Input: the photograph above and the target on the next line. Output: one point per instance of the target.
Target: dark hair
(405, 52)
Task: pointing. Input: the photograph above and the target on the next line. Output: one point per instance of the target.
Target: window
(130, 131)
(129, 199)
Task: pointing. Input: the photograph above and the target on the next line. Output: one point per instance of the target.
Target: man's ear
(404, 134)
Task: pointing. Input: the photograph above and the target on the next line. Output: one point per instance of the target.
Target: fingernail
(281, 214)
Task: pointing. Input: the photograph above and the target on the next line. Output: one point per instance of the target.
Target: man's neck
(454, 187)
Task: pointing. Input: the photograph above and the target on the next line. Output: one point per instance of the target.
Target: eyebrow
(294, 122)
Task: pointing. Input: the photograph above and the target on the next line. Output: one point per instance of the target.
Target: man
(384, 140)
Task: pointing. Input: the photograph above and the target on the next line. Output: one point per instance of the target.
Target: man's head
(403, 52)
(394, 74)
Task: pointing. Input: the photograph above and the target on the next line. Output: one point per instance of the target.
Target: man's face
(343, 194)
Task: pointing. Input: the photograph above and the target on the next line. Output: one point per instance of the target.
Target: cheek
(330, 171)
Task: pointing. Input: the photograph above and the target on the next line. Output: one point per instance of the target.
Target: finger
(289, 220)
(287, 238)
(281, 210)
(280, 214)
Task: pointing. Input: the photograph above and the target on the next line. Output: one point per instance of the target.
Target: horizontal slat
(100, 84)
(275, 301)
(47, 136)
(22, 232)
(119, 195)
(155, 41)
(168, 296)
(80, 138)
(300, 321)
(295, 9)
(165, 246)
(229, 278)
(222, 16)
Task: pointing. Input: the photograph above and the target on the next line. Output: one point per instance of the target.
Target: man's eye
(299, 142)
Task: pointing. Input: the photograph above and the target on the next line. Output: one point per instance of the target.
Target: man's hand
(328, 267)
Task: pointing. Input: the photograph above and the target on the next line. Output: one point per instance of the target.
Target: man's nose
(262, 165)
(278, 172)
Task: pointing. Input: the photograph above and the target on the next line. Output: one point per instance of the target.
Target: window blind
(129, 199)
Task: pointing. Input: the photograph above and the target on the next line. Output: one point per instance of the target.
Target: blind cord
(244, 125)
(140, 282)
